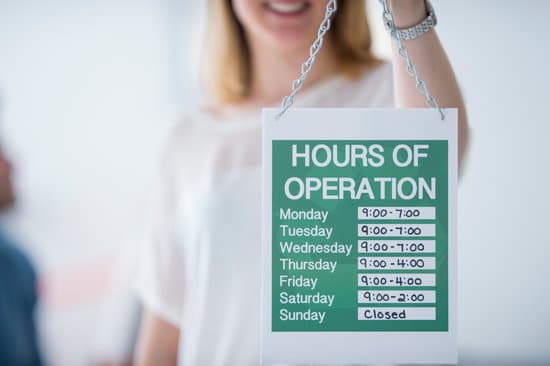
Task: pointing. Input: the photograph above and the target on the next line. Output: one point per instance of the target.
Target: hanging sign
(359, 236)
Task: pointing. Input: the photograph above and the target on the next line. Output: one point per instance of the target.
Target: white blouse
(200, 268)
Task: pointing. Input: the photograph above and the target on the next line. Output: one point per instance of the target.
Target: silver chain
(403, 52)
(297, 84)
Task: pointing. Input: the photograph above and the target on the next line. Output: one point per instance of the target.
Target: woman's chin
(288, 41)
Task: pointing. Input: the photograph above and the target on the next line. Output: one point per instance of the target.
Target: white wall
(90, 88)
(499, 51)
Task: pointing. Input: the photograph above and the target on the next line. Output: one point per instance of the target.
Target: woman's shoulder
(180, 140)
(208, 117)
(200, 129)
(194, 121)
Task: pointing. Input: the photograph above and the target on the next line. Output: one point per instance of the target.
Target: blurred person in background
(18, 291)
(200, 272)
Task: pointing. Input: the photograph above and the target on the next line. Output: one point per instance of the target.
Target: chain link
(403, 52)
(297, 84)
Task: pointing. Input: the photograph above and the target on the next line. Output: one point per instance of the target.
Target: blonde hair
(226, 59)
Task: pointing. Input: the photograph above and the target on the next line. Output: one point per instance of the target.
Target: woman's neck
(273, 72)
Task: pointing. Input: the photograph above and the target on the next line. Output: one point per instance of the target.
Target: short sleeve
(159, 281)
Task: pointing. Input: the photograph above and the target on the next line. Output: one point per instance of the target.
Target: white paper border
(358, 347)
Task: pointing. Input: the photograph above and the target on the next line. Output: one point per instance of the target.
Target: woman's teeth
(287, 8)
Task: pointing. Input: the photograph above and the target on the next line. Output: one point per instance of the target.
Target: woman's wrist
(407, 13)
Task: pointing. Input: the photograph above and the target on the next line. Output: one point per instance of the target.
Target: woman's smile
(287, 8)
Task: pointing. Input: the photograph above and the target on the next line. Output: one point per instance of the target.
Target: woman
(200, 279)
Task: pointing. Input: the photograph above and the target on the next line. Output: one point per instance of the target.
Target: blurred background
(89, 90)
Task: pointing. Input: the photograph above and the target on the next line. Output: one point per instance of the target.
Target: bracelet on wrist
(410, 33)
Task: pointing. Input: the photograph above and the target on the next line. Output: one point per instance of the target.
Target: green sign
(359, 235)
